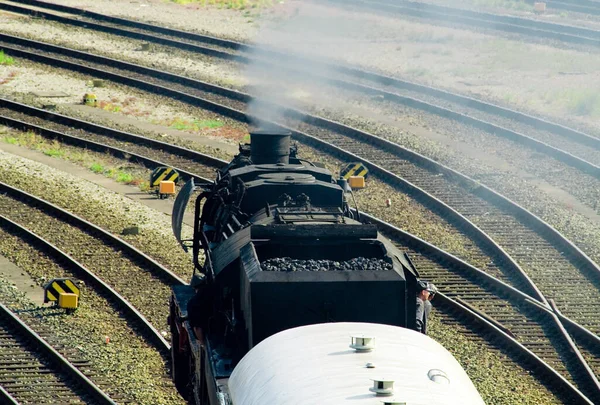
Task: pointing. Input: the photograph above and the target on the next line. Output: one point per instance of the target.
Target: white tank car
(315, 365)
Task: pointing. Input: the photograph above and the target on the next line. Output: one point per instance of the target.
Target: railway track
(495, 215)
(578, 6)
(522, 325)
(317, 143)
(532, 325)
(451, 16)
(26, 359)
(88, 247)
(120, 144)
(565, 144)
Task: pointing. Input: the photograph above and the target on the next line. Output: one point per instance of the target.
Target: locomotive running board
(181, 202)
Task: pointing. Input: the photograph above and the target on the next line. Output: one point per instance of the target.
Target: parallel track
(484, 295)
(79, 242)
(578, 6)
(425, 173)
(533, 326)
(565, 144)
(33, 372)
(452, 16)
(527, 327)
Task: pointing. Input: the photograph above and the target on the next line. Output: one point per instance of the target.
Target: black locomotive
(279, 247)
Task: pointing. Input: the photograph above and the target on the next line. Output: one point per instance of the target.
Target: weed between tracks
(194, 125)
(5, 59)
(95, 162)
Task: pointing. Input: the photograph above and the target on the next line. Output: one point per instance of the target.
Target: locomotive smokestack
(270, 147)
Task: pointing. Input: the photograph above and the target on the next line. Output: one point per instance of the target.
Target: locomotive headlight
(438, 376)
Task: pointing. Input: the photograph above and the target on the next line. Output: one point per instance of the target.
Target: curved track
(123, 145)
(579, 6)
(532, 325)
(536, 245)
(89, 245)
(533, 244)
(25, 358)
(394, 160)
(565, 144)
(494, 298)
(452, 16)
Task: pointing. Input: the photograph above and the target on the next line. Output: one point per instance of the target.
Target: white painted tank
(314, 365)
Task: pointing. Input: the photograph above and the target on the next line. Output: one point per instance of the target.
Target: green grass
(195, 125)
(54, 152)
(208, 124)
(91, 161)
(5, 59)
(123, 177)
(97, 168)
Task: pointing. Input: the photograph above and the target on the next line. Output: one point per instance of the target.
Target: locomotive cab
(280, 248)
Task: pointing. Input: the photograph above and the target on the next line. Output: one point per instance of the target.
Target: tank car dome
(315, 365)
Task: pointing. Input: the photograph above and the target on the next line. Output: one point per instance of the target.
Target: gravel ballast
(543, 79)
(132, 369)
(508, 372)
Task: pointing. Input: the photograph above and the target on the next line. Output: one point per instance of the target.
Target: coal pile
(359, 263)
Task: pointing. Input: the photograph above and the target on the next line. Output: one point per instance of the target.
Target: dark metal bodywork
(281, 207)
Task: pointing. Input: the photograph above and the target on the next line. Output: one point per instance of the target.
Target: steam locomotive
(295, 278)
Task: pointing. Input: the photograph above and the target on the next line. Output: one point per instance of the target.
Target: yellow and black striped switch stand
(354, 169)
(63, 291)
(163, 173)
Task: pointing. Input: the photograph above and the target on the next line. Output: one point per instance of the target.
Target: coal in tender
(359, 263)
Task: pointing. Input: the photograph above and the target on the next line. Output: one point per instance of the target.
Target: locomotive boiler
(281, 250)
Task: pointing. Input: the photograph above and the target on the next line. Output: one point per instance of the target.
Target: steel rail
(467, 226)
(112, 133)
(509, 343)
(421, 245)
(541, 309)
(508, 286)
(437, 11)
(96, 146)
(589, 373)
(87, 226)
(236, 114)
(56, 358)
(579, 6)
(137, 24)
(118, 301)
(6, 397)
(450, 16)
(239, 113)
(478, 272)
(491, 17)
(563, 156)
(590, 267)
(123, 32)
(469, 102)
